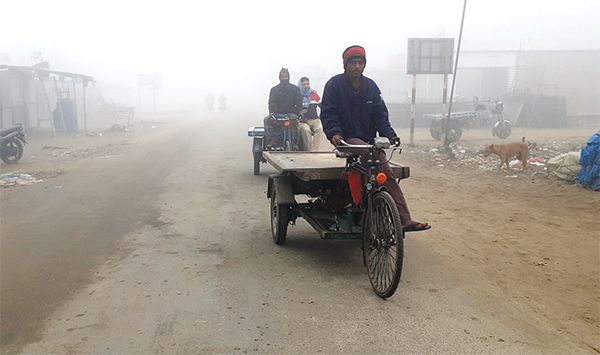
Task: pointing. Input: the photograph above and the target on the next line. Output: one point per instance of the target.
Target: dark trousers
(391, 185)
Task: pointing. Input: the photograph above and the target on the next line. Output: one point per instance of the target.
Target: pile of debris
(116, 128)
(76, 153)
(17, 179)
(473, 157)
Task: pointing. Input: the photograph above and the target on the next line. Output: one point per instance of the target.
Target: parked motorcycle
(12, 141)
(501, 128)
(486, 113)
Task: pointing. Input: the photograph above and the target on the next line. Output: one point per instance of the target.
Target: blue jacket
(351, 113)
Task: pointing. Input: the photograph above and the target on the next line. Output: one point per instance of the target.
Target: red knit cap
(354, 52)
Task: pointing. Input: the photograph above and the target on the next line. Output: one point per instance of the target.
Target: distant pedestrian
(222, 103)
(210, 101)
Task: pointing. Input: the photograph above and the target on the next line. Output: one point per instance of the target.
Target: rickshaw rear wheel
(280, 215)
(383, 245)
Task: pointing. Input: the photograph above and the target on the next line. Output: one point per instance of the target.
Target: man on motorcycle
(353, 110)
(284, 98)
(222, 103)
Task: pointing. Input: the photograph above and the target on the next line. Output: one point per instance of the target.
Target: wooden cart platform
(318, 165)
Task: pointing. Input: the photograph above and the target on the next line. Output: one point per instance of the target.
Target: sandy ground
(528, 242)
(533, 236)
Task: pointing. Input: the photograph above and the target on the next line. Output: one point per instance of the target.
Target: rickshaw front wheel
(383, 245)
(280, 215)
(288, 146)
(257, 159)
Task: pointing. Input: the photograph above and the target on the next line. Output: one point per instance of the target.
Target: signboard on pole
(154, 80)
(430, 56)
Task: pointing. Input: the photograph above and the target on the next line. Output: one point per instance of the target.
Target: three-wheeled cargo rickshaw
(347, 199)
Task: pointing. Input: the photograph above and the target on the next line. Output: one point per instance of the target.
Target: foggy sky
(238, 47)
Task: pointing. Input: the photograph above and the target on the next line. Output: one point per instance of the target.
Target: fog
(238, 47)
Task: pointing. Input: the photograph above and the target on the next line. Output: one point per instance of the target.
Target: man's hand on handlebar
(395, 141)
(336, 140)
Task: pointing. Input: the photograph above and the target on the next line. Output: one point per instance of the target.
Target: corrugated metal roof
(36, 69)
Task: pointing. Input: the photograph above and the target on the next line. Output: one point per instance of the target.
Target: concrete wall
(17, 98)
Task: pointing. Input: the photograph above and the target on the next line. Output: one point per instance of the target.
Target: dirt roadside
(534, 239)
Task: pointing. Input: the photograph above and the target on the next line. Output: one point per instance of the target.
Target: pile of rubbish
(475, 159)
(564, 160)
(75, 153)
(17, 179)
(589, 175)
(116, 128)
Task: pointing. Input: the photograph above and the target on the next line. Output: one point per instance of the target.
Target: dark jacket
(351, 113)
(285, 98)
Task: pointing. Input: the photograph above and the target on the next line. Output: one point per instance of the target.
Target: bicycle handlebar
(367, 146)
(284, 117)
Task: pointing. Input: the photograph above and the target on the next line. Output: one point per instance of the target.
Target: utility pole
(462, 22)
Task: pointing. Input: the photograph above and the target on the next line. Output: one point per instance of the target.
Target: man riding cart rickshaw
(285, 104)
(281, 127)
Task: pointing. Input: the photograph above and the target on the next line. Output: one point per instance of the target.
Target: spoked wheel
(502, 129)
(11, 151)
(383, 245)
(280, 216)
(257, 159)
(435, 129)
(454, 131)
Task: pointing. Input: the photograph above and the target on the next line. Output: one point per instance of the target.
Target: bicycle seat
(346, 154)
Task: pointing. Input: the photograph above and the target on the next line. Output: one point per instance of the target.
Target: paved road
(166, 248)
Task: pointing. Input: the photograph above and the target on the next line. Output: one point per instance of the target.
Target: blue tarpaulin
(589, 175)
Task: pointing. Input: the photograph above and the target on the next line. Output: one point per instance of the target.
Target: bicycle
(383, 237)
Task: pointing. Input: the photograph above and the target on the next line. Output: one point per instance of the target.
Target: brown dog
(507, 151)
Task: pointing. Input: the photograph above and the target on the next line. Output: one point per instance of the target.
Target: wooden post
(154, 95)
(37, 100)
(75, 102)
(462, 23)
(445, 94)
(444, 101)
(24, 99)
(412, 108)
(140, 96)
(49, 107)
(62, 115)
(84, 110)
